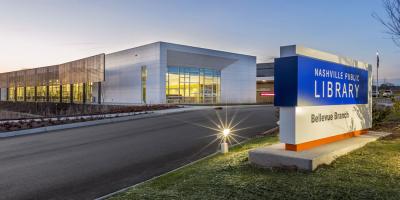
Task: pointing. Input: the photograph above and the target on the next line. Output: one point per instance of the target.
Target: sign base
(316, 143)
(308, 160)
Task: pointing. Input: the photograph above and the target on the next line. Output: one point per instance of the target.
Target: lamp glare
(226, 132)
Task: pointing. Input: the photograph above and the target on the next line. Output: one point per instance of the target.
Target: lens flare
(226, 132)
(225, 124)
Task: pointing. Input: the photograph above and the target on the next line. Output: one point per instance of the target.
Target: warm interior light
(226, 132)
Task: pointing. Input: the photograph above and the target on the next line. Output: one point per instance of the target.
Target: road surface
(89, 162)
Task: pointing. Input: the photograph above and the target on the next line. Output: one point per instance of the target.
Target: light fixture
(226, 132)
(224, 144)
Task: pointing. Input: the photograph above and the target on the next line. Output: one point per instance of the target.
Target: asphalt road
(90, 162)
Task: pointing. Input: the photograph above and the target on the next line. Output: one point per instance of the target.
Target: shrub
(396, 107)
(379, 114)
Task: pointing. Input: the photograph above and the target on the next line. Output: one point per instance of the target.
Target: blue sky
(45, 32)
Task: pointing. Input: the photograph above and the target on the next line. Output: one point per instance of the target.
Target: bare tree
(392, 22)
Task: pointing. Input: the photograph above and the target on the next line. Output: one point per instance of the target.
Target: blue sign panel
(304, 81)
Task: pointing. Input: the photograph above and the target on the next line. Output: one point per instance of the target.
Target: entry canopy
(186, 59)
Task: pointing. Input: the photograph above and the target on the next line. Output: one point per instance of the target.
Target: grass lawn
(372, 172)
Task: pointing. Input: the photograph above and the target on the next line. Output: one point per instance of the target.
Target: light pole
(377, 74)
(224, 144)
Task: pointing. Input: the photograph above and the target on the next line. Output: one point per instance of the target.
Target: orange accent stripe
(319, 142)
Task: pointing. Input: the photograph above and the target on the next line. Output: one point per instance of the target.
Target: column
(61, 93)
(71, 94)
(25, 93)
(84, 93)
(47, 93)
(99, 92)
(35, 95)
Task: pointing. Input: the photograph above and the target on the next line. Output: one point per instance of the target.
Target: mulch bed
(15, 126)
(46, 109)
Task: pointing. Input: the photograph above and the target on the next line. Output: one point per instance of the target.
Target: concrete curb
(269, 131)
(174, 170)
(95, 122)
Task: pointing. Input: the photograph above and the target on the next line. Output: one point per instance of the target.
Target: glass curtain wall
(193, 85)
(20, 94)
(66, 93)
(54, 93)
(30, 93)
(49, 81)
(11, 94)
(77, 90)
(41, 93)
(54, 84)
(89, 92)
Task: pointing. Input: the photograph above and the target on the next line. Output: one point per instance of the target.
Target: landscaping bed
(5, 115)
(29, 124)
(24, 115)
(388, 120)
(22, 124)
(46, 109)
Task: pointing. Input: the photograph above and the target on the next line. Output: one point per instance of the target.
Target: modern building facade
(265, 83)
(67, 83)
(151, 74)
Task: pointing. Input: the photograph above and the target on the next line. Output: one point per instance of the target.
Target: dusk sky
(46, 32)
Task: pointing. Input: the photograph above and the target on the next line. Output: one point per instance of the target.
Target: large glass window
(89, 92)
(41, 93)
(77, 91)
(144, 80)
(54, 93)
(20, 94)
(192, 85)
(11, 94)
(30, 93)
(66, 93)
(54, 85)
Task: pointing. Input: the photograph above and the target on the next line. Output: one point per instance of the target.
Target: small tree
(392, 22)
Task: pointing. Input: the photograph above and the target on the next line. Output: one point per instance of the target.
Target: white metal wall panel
(123, 75)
